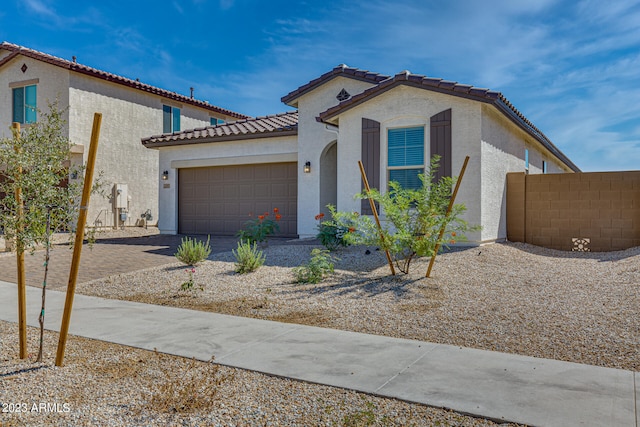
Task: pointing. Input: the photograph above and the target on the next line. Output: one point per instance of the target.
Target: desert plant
(37, 198)
(330, 234)
(191, 282)
(193, 251)
(248, 257)
(193, 389)
(260, 228)
(319, 266)
(413, 219)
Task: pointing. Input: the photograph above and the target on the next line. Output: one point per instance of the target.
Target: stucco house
(30, 79)
(300, 161)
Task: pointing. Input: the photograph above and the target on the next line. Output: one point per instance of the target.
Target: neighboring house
(29, 80)
(301, 161)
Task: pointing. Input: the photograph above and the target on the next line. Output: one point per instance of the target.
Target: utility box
(120, 196)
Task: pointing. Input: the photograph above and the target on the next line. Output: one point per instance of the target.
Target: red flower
(266, 214)
(276, 210)
(319, 216)
(351, 229)
(453, 234)
(278, 216)
(452, 242)
(260, 217)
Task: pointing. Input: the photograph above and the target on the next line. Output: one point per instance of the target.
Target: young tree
(35, 189)
(413, 219)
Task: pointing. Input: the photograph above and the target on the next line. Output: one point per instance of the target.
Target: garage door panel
(218, 200)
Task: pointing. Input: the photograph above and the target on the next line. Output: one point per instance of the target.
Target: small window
(170, 119)
(526, 159)
(544, 166)
(405, 149)
(25, 104)
(215, 121)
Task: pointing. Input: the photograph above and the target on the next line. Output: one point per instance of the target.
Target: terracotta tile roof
(341, 70)
(282, 124)
(451, 88)
(135, 84)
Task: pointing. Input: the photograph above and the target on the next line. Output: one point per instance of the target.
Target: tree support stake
(77, 248)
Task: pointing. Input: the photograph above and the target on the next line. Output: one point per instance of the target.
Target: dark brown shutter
(370, 158)
(441, 142)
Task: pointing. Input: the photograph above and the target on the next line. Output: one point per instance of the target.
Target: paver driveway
(104, 258)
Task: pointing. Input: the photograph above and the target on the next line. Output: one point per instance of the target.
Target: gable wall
(405, 106)
(53, 83)
(313, 139)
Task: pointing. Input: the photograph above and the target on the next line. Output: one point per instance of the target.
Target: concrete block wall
(597, 211)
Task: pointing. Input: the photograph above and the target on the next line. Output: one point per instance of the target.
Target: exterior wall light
(307, 167)
(165, 175)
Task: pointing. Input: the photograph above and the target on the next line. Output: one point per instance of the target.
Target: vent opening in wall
(343, 95)
(581, 244)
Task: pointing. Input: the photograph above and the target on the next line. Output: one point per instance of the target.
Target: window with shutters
(25, 104)
(170, 119)
(405, 156)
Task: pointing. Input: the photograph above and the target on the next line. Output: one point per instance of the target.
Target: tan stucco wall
(503, 150)
(127, 116)
(313, 138)
(52, 84)
(261, 150)
(403, 106)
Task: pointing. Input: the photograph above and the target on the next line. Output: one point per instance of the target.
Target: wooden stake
(375, 215)
(451, 202)
(22, 279)
(77, 248)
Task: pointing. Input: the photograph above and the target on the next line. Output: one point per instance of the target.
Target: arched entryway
(329, 177)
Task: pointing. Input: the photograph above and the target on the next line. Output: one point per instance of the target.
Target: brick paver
(104, 258)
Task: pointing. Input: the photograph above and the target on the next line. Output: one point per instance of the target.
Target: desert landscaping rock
(514, 298)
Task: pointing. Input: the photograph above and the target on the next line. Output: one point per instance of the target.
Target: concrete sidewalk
(498, 386)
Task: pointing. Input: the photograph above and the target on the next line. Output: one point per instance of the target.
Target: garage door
(219, 200)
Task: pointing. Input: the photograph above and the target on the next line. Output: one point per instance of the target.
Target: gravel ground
(513, 297)
(516, 298)
(104, 384)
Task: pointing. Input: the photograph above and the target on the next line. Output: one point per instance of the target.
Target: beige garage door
(219, 200)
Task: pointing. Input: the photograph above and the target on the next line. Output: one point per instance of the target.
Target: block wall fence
(595, 211)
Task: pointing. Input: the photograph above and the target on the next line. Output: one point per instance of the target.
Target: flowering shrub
(260, 228)
(189, 284)
(329, 233)
(413, 220)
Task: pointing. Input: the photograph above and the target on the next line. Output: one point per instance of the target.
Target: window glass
(405, 156)
(30, 108)
(18, 105)
(166, 119)
(176, 119)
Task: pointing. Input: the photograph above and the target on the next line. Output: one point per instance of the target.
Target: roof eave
(340, 71)
(536, 134)
(214, 139)
(110, 77)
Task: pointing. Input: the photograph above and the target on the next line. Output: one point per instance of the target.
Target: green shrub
(193, 251)
(260, 228)
(330, 234)
(319, 266)
(248, 257)
(413, 219)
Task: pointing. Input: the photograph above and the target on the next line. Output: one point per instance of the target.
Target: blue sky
(571, 67)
